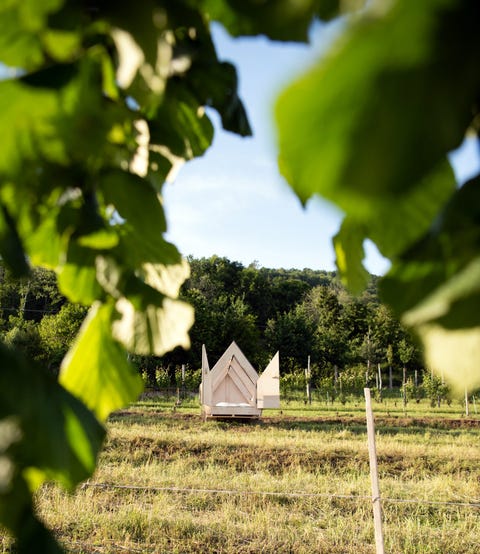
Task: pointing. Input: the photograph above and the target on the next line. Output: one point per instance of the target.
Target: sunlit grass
(285, 484)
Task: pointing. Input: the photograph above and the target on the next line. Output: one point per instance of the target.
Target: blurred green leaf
(181, 124)
(21, 25)
(393, 224)
(61, 45)
(136, 202)
(28, 114)
(153, 329)
(453, 353)
(53, 77)
(75, 118)
(348, 244)
(278, 19)
(77, 275)
(89, 227)
(17, 514)
(166, 278)
(44, 246)
(434, 287)
(146, 23)
(141, 222)
(396, 223)
(215, 84)
(152, 249)
(11, 248)
(158, 169)
(152, 320)
(45, 433)
(96, 369)
(437, 279)
(99, 239)
(380, 96)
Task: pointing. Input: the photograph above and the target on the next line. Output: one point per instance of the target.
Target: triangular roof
(234, 352)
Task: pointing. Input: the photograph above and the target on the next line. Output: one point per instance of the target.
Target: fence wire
(452, 503)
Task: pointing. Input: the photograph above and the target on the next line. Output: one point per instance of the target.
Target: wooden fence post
(307, 380)
(372, 454)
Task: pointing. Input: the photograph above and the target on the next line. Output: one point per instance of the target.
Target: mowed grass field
(297, 481)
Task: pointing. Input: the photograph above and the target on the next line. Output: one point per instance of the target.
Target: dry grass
(263, 464)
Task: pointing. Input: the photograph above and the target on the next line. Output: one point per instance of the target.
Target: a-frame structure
(232, 388)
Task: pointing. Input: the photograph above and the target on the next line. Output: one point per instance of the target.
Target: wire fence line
(448, 503)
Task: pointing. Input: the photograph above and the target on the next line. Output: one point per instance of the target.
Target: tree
(258, 294)
(323, 311)
(293, 335)
(30, 298)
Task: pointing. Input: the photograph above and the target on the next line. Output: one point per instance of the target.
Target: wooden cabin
(232, 388)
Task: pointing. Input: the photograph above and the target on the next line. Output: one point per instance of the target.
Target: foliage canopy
(104, 99)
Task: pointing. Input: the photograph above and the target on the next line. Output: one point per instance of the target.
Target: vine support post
(372, 454)
(307, 380)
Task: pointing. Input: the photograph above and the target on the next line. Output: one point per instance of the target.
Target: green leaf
(437, 279)
(453, 303)
(61, 45)
(45, 433)
(434, 287)
(22, 23)
(158, 169)
(348, 244)
(77, 276)
(142, 219)
(45, 245)
(58, 435)
(396, 223)
(17, 514)
(181, 124)
(96, 369)
(100, 239)
(11, 248)
(453, 353)
(153, 329)
(166, 279)
(278, 19)
(368, 169)
(393, 224)
(53, 77)
(381, 95)
(152, 320)
(216, 84)
(146, 24)
(136, 201)
(28, 114)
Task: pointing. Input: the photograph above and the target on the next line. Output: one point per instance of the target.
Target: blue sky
(232, 202)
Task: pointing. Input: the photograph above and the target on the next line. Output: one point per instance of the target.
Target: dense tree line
(301, 313)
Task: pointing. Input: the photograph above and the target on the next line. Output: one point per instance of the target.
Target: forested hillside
(301, 313)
